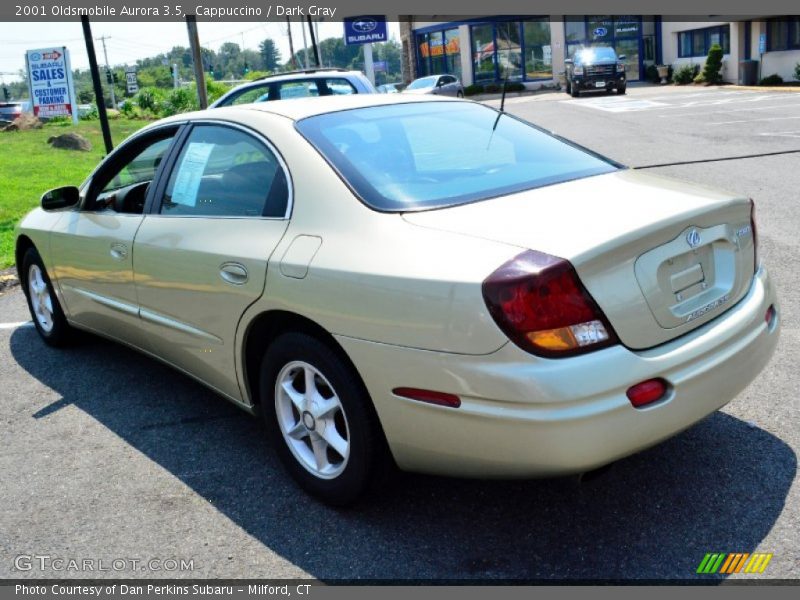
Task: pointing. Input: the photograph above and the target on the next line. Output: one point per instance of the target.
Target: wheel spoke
(298, 399)
(326, 406)
(298, 432)
(311, 384)
(334, 440)
(320, 448)
(48, 304)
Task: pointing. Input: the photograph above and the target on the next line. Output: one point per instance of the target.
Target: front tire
(46, 312)
(573, 91)
(319, 418)
(460, 95)
(622, 89)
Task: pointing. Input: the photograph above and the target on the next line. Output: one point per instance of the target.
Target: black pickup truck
(596, 68)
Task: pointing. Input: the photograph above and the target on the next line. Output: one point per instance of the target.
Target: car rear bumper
(524, 416)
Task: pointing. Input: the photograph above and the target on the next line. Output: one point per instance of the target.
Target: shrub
(513, 86)
(473, 89)
(773, 79)
(491, 88)
(150, 99)
(179, 100)
(128, 109)
(712, 70)
(700, 78)
(797, 71)
(683, 74)
(89, 115)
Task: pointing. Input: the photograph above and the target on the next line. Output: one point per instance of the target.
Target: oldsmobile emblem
(693, 238)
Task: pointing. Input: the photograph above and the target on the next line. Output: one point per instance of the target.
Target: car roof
(300, 108)
(308, 74)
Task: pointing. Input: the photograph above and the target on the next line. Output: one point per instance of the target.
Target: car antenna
(503, 97)
(499, 114)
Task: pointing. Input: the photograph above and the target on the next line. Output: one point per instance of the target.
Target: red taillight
(753, 229)
(647, 392)
(541, 305)
(429, 396)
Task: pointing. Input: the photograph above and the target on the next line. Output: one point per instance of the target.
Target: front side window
(225, 172)
(122, 183)
(427, 155)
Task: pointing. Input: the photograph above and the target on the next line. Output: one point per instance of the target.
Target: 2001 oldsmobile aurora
(427, 280)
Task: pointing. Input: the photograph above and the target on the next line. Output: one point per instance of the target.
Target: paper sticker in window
(190, 173)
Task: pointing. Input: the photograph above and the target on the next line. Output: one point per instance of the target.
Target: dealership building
(532, 49)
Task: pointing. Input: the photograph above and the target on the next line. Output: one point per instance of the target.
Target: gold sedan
(425, 282)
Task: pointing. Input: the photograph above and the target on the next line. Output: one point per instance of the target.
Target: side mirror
(62, 197)
(622, 57)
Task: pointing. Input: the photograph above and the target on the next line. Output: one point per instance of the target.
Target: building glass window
(783, 34)
(509, 50)
(538, 51)
(697, 42)
(452, 52)
(517, 50)
(600, 31)
(483, 53)
(575, 30)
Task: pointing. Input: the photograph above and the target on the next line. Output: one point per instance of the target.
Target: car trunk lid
(659, 256)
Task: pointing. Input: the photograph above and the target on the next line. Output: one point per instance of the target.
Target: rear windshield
(417, 156)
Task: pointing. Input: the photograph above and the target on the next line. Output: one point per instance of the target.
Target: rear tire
(328, 440)
(460, 95)
(46, 312)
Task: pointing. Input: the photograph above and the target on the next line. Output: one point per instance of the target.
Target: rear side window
(297, 89)
(224, 172)
(256, 94)
(417, 156)
(337, 86)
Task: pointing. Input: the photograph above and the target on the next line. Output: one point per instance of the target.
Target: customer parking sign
(50, 83)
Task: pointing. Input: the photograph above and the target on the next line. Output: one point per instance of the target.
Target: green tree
(713, 67)
(270, 56)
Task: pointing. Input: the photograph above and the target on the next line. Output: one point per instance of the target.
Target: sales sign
(365, 29)
(50, 83)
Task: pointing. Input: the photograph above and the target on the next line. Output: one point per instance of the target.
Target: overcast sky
(130, 41)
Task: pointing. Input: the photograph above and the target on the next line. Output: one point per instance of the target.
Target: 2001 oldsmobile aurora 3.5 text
(424, 280)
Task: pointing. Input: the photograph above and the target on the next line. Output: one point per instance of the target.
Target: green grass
(29, 166)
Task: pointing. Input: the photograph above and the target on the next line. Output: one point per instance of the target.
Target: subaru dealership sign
(50, 83)
(365, 29)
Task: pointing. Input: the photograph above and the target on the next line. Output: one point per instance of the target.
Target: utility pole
(313, 41)
(103, 39)
(291, 44)
(305, 44)
(197, 59)
(98, 88)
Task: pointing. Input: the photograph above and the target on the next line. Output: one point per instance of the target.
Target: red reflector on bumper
(431, 397)
(647, 392)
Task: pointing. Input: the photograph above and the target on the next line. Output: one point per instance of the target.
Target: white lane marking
(631, 104)
(753, 120)
(615, 104)
(791, 134)
(16, 325)
(706, 114)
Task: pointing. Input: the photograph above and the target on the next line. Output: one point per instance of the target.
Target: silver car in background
(440, 85)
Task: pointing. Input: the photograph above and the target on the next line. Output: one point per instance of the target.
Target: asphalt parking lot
(108, 454)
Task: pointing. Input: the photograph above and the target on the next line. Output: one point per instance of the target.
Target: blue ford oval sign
(600, 32)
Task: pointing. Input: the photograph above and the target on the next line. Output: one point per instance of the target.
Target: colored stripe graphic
(733, 562)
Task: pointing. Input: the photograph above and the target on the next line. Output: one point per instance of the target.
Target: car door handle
(119, 251)
(233, 273)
